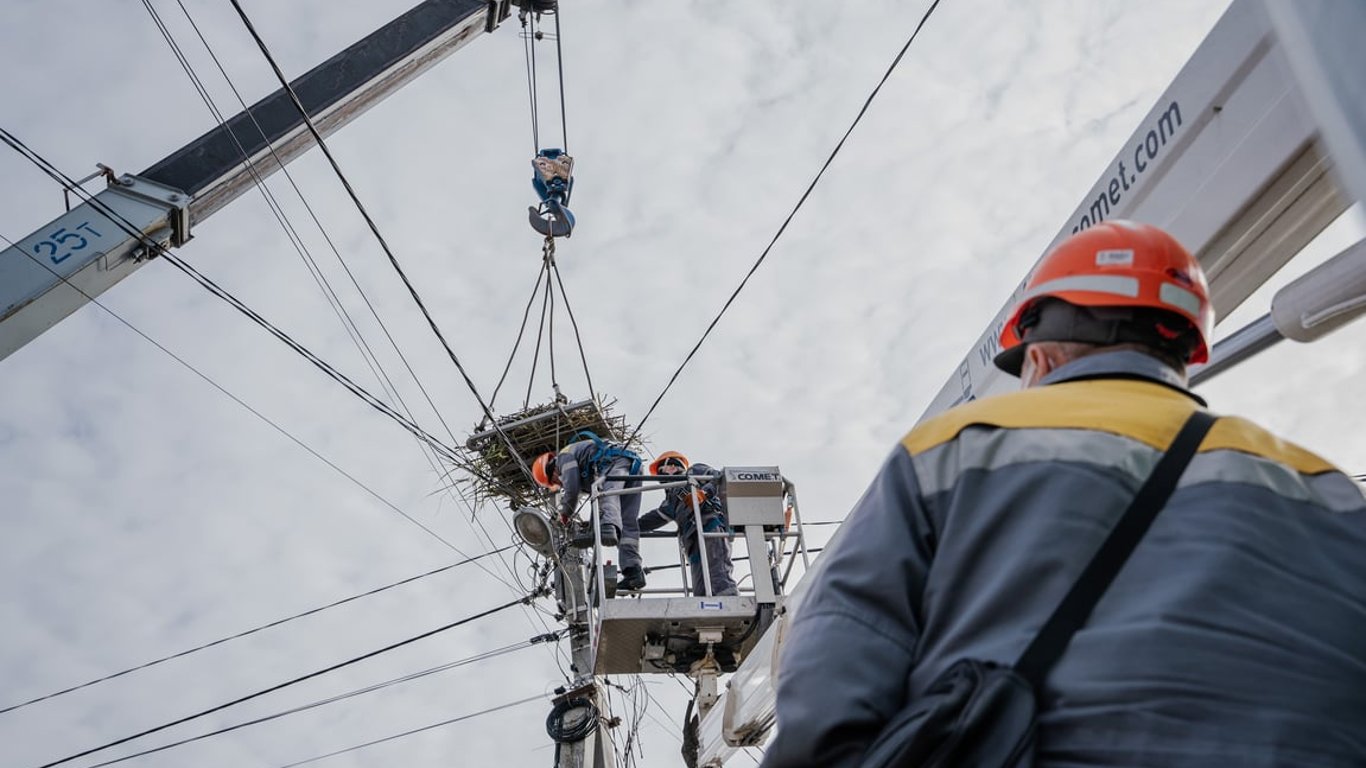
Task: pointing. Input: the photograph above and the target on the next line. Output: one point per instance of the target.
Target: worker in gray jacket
(677, 508)
(574, 469)
(1235, 634)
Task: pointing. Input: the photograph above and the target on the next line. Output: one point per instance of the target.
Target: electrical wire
(284, 169)
(452, 720)
(783, 228)
(272, 204)
(374, 229)
(331, 699)
(154, 247)
(254, 630)
(118, 220)
(348, 323)
(205, 377)
(287, 683)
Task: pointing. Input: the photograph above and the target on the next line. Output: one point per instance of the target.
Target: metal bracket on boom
(80, 254)
(177, 204)
(498, 12)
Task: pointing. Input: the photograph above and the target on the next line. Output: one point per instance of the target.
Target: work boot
(583, 537)
(632, 577)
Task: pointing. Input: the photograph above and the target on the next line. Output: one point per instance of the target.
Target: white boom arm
(1236, 161)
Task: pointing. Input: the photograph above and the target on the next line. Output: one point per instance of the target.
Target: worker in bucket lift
(573, 470)
(677, 507)
(1235, 632)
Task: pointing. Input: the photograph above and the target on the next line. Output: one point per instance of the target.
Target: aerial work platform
(670, 634)
(675, 630)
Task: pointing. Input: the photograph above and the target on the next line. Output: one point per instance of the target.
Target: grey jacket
(675, 508)
(1234, 635)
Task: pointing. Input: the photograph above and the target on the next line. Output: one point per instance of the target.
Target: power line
(297, 441)
(374, 229)
(118, 220)
(154, 247)
(284, 169)
(470, 716)
(334, 301)
(385, 382)
(288, 683)
(252, 631)
(333, 699)
(840, 145)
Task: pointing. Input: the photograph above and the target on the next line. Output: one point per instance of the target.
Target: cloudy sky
(144, 512)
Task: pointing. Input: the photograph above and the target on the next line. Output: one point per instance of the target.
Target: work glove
(694, 496)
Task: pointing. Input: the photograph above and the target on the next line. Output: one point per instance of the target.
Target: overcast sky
(144, 512)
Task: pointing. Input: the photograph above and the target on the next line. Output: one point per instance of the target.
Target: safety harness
(604, 454)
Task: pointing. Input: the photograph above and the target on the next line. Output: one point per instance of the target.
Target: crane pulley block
(553, 181)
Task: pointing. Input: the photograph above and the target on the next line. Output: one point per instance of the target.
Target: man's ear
(1037, 364)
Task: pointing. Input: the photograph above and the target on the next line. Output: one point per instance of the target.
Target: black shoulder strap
(1043, 652)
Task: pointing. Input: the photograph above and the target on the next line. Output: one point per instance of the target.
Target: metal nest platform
(496, 474)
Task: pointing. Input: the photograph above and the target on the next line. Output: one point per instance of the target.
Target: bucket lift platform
(670, 634)
(680, 632)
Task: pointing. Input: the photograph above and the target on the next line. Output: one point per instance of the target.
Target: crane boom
(68, 262)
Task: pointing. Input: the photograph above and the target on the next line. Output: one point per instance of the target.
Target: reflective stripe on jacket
(1234, 635)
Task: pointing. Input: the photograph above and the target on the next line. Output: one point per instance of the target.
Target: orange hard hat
(1115, 265)
(543, 469)
(665, 456)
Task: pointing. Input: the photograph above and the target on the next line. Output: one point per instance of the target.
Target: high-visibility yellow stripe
(1148, 412)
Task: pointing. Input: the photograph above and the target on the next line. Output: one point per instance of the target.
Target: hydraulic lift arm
(1258, 144)
(59, 268)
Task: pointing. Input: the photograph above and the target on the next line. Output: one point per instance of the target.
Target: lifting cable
(485, 656)
(530, 16)
(545, 335)
(578, 339)
(374, 229)
(840, 145)
(287, 683)
(526, 315)
(254, 630)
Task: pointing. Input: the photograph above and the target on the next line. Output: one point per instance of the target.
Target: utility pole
(59, 268)
(582, 705)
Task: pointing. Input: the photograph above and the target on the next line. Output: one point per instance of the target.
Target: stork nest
(493, 469)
